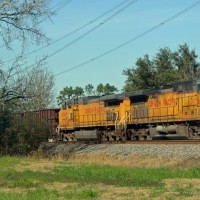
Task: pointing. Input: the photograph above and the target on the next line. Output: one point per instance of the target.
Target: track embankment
(160, 150)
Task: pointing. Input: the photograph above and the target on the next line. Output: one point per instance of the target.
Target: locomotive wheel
(142, 137)
(191, 136)
(68, 137)
(133, 137)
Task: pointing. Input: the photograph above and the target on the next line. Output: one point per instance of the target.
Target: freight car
(170, 112)
(48, 118)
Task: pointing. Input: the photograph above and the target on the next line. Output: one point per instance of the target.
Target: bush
(19, 137)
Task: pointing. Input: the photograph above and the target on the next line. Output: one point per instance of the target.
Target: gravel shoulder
(176, 151)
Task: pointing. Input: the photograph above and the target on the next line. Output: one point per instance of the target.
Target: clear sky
(96, 39)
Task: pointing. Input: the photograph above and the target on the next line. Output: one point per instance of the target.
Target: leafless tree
(22, 85)
(19, 20)
(39, 88)
(26, 88)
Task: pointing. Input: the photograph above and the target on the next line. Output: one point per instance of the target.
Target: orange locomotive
(172, 112)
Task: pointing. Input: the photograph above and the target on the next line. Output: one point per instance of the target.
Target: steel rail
(128, 142)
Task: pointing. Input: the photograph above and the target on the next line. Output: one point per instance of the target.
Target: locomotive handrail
(122, 121)
(116, 120)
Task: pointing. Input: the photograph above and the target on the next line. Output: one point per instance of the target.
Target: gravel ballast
(175, 151)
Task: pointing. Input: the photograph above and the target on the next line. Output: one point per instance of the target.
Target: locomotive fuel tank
(86, 135)
(171, 129)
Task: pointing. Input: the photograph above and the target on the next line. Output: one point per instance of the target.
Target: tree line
(165, 68)
(101, 89)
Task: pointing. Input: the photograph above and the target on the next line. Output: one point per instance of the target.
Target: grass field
(33, 178)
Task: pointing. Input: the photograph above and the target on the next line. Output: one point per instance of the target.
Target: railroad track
(129, 142)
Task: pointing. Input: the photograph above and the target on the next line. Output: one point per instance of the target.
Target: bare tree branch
(20, 19)
(31, 89)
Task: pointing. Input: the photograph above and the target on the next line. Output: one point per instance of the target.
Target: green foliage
(21, 136)
(5, 123)
(5, 119)
(186, 63)
(89, 89)
(105, 89)
(109, 88)
(165, 71)
(67, 92)
(101, 89)
(78, 91)
(165, 68)
(140, 77)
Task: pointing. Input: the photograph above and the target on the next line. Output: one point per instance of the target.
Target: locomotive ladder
(76, 117)
(121, 125)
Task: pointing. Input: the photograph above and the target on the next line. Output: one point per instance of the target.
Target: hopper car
(47, 118)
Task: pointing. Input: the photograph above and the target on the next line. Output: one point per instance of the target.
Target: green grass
(8, 161)
(123, 176)
(119, 176)
(45, 194)
(108, 175)
(37, 194)
(32, 183)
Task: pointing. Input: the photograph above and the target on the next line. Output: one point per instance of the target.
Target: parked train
(172, 112)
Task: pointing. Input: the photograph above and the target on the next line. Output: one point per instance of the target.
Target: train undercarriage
(165, 131)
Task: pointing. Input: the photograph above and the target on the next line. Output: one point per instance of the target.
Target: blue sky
(141, 16)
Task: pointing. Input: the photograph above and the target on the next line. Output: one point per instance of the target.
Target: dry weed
(59, 185)
(131, 161)
(43, 165)
(105, 159)
(120, 193)
(183, 182)
(12, 190)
